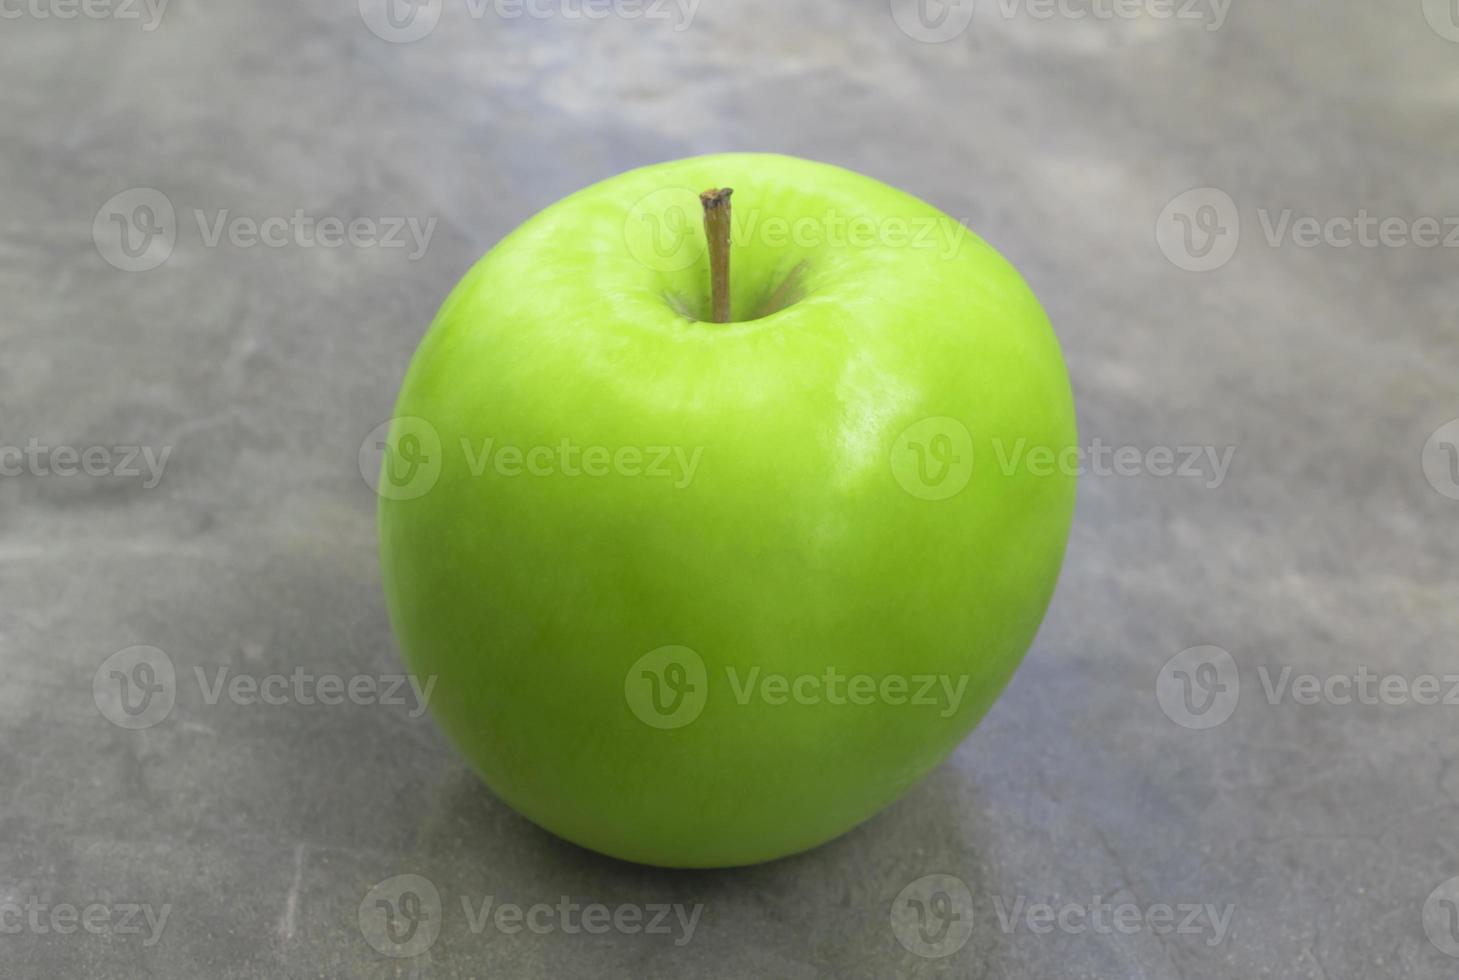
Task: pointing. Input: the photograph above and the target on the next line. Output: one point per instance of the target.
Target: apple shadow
(844, 888)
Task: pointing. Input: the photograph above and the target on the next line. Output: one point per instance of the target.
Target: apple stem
(717, 229)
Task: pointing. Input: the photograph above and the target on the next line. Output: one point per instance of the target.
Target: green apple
(710, 593)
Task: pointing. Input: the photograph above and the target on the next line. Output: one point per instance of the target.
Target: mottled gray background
(1062, 139)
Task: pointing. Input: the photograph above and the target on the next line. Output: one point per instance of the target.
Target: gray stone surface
(1326, 827)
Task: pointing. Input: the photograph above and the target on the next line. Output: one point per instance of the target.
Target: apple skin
(807, 539)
